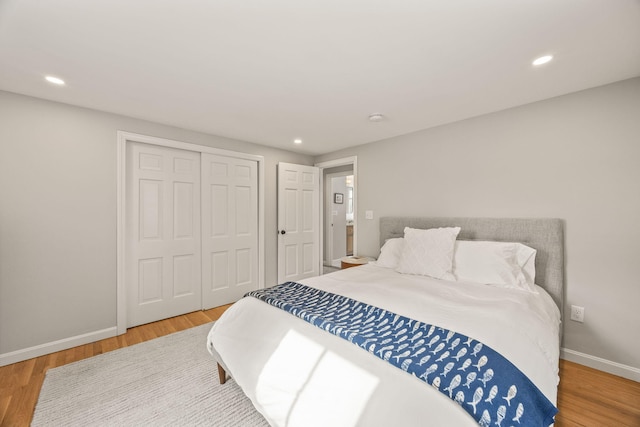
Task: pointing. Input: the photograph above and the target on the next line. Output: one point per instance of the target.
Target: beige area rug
(168, 381)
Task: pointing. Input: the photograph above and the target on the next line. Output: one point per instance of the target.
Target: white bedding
(298, 375)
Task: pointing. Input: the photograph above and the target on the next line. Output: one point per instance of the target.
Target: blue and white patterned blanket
(484, 383)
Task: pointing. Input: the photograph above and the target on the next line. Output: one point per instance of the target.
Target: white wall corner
(601, 364)
(54, 346)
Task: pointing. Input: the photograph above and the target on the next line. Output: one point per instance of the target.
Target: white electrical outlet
(577, 313)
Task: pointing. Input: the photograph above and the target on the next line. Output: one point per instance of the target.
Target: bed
(298, 374)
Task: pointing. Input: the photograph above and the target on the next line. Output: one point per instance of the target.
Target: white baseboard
(604, 365)
(601, 364)
(52, 347)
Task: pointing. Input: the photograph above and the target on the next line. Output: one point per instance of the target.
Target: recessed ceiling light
(54, 80)
(297, 141)
(376, 117)
(542, 60)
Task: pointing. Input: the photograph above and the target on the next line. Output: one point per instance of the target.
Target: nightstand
(353, 261)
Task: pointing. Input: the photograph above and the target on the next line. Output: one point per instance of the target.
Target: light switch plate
(368, 214)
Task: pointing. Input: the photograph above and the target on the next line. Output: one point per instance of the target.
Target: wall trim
(54, 346)
(601, 364)
(594, 362)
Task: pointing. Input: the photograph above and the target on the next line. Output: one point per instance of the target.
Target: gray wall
(58, 215)
(575, 157)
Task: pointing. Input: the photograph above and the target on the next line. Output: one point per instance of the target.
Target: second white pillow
(494, 263)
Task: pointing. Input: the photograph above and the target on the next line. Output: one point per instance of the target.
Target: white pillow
(428, 252)
(390, 253)
(527, 260)
(495, 263)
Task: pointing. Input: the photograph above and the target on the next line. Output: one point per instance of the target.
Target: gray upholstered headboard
(543, 234)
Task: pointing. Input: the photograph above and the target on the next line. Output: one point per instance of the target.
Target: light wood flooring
(586, 397)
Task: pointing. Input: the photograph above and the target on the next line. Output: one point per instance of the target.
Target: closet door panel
(230, 229)
(163, 233)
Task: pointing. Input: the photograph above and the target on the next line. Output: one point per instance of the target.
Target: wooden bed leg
(222, 374)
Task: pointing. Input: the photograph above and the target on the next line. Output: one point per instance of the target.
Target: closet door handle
(283, 232)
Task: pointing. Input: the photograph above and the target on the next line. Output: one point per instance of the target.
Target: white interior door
(163, 233)
(298, 222)
(229, 229)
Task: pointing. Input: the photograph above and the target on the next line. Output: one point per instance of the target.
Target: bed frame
(546, 235)
(543, 234)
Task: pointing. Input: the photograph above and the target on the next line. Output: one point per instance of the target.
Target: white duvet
(299, 375)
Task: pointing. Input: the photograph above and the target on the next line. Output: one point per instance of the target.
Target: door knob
(283, 232)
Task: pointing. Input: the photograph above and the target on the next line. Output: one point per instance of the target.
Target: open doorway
(339, 211)
(338, 217)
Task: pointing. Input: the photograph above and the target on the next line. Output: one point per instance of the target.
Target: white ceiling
(271, 71)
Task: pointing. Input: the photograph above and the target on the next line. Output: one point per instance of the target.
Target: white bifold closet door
(164, 253)
(192, 231)
(229, 229)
